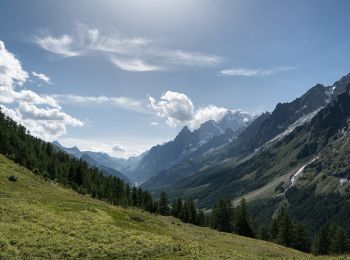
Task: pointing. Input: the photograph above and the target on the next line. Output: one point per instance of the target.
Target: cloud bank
(40, 114)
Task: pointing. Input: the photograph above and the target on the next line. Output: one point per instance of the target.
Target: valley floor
(40, 219)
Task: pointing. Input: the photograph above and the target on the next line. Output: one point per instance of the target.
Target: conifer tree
(190, 211)
(301, 239)
(242, 225)
(285, 234)
(338, 241)
(263, 233)
(222, 216)
(177, 209)
(201, 220)
(322, 241)
(163, 208)
(276, 224)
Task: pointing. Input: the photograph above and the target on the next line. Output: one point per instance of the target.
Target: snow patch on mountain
(305, 119)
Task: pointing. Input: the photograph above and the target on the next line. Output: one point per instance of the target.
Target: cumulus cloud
(42, 77)
(11, 71)
(207, 113)
(28, 111)
(40, 114)
(135, 54)
(178, 109)
(118, 148)
(252, 72)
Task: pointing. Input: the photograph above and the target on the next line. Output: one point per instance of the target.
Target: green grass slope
(40, 219)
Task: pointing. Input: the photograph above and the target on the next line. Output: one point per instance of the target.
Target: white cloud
(188, 58)
(129, 54)
(134, 65)
(48, 124)
(252, 72)
(207, 113)
(11, 71)
(118, 148)
(42, 77)
(154, 123)
(61, 45)
(48, 121)
(178, 109)
(32, 112)
(123, 102)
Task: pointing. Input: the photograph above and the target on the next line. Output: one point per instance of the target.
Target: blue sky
(122, 76)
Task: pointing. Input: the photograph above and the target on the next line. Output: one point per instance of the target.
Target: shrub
(137, 218)
(12, 178)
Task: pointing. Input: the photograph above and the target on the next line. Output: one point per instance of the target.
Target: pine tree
(177, 208)
(276, 224)
(190, 211)
(285, 234)
(163, 208)
(322, 241)
(134, 198)
(263, 233)
(338, 241)
(301, 239)
(242, 225)
(222, 214)
(201, 221)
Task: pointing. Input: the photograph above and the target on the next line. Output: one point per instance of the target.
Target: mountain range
(278, 159)
(282, 159)
(107, 164)
(187, 144)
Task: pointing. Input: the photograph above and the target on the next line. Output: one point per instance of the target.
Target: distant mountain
(106, 163)
(188, 144)
(103, 168)
(262, 133)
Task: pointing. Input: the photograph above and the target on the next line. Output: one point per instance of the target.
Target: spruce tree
(263, 233)
(285, 234)
(322, 241)
(163, 208)
(222, 216)
(178, 208)
(242, 225)
(338, 241)
(201, 221)
(301, 239)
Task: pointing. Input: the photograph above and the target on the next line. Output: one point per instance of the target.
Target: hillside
(40, 219)
(296, 171)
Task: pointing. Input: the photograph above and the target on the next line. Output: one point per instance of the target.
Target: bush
(12, 178)
(136, 218)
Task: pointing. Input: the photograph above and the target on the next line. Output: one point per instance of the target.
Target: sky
(122, 76)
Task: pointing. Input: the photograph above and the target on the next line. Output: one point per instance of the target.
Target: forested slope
(41, 219)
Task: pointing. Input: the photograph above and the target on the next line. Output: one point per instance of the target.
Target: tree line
(44, 159)
(330, 240)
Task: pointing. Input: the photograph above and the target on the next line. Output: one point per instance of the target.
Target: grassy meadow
(42, 220)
